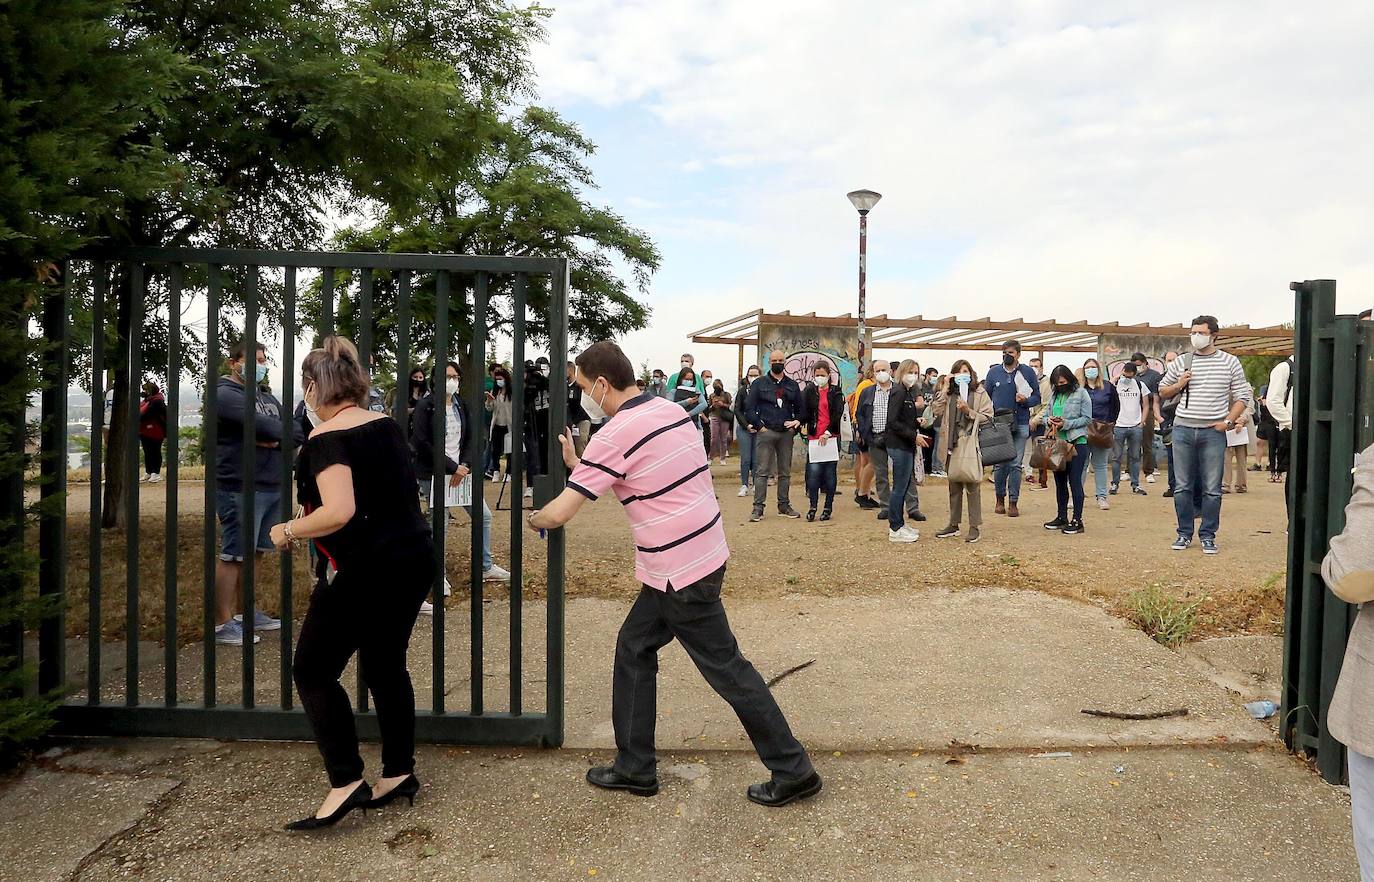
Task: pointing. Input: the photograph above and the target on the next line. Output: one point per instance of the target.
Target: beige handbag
(966, 460)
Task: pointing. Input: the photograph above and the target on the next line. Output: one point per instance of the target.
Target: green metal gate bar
(1333, 419)
(174, 715)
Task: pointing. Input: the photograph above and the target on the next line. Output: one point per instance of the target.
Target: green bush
(1169, 620)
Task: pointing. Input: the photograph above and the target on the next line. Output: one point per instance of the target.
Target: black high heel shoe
(358, 799)
(407, 788)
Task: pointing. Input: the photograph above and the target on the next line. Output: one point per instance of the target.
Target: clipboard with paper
(455, 497)
(823, 451)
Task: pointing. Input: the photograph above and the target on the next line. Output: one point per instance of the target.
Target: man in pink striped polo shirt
(650, 456)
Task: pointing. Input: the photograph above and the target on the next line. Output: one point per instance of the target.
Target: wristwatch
(1230, 424)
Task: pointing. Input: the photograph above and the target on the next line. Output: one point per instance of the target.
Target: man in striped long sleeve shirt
(1214, 394)
(650, 457)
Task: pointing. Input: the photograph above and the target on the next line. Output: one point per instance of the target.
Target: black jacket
(762, 406)
(811, 409)
(902, 419)
(422, 437)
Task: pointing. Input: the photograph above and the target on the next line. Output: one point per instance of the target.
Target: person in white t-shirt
(1135, 400)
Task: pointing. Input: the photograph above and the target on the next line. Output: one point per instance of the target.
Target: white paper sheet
(827, 452)
(1237, 437)
(1022, 387)
(456, 497)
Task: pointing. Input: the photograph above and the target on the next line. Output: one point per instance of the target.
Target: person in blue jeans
(1069, 412)
(1014, 390)
(900, 441)
(1135, 404)
(1214, 394)
(237, 539)
(1106, 408)
(745, 436)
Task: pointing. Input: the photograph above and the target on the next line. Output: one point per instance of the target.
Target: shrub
(1167, 619)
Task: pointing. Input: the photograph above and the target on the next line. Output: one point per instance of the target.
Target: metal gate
(470, 284)
(1333, 419)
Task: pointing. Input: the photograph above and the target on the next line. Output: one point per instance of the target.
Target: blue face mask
(261, 372)
(963, 379)
(1090, 373)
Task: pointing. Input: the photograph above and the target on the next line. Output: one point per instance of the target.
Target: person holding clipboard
(822, 409)
(458, 491)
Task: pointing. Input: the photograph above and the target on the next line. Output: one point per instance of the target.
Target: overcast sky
(1075, 160)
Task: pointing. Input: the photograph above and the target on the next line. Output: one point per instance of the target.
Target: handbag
(1102, 434)
(965, 461)
(995, 441)
(1052, 454)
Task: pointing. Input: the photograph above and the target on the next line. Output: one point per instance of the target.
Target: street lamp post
(863, 200)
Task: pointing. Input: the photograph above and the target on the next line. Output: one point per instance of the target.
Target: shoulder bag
(965, 462)
(1102, 434)
(1052, 454)
(995, 439)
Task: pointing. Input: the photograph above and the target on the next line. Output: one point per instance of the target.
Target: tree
(280, 108)
(73, 87)
(524, 196)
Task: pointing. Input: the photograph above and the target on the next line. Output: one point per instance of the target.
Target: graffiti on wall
(806, 345)
(1116, 349)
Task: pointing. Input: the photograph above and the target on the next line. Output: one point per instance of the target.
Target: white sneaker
(1103, 504)
(495, 574)
(529, 492)
(906, 534)
(1150, 477)
(426, 608)
(155, 478)
(743, 491)
(143, 478)
(448, 589)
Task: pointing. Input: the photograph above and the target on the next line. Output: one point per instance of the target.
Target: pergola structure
(1047, 335)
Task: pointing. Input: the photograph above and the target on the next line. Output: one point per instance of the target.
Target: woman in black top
(375, 565)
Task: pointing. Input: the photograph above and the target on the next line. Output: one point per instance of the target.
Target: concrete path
(1008, 669)
(1224, 816)
(896, 679)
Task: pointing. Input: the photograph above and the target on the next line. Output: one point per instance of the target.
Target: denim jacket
(1078, 412)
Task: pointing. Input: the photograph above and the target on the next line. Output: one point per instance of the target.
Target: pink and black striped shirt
(650, 455)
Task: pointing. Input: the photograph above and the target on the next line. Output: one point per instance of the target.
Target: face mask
(823, 380)
(500, 384)
(657, 381)
(963, 379)
(1008, 359)
(544, 370)
(752, 377)
(706, 380)
(1200, 341)
(416, 384)
(1090, 373)
(777, 368)
(451, 386)
(310, 413)
(1062, 389)
(593, 407)
(685, 365)
(909, 380)
(261, 372)
(883, 377)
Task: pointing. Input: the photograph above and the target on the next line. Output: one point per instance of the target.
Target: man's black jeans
(695, 616)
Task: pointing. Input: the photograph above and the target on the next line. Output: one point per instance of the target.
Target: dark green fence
(460, 285)
(1333, 419)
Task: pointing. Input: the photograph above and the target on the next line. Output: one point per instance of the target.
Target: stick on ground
(790, 671)
(1157, 715)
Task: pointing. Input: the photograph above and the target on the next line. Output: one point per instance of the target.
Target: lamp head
(864, 200)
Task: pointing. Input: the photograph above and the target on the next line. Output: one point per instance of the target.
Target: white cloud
(1126, 161)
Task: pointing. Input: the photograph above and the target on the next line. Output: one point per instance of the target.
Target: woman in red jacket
(823, 406)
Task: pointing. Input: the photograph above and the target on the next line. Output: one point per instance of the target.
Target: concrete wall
(1114, 350)
(806, 344)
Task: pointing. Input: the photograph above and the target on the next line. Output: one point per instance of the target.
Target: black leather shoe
(608, 778)
(775, 793)
(407, 790)
(811, 515)
(358, 799)
(1057, 524)
(825, 515)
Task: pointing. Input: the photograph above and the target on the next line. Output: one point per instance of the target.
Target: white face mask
(883, 377)
(544, 369)
(451, 386)
(910, 380)
(593, 407)
(1200, 341)
(822, 381)
(685, 365)
(310, 412)
(751, 378)
(706, 380)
